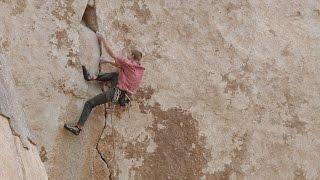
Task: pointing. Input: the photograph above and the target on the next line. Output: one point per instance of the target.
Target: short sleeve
(121, 61)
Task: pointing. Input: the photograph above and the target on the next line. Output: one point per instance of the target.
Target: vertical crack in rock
(100, 137)
(89, 19)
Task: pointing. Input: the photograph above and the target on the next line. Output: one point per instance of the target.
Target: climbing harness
(116, 95)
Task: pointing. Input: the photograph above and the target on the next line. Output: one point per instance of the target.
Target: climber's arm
(103, 59)
(104, 43)
(108, 48)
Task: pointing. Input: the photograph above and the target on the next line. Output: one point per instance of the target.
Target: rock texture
(18, 154)
(230, 89)
(17, 162)
(10, 105)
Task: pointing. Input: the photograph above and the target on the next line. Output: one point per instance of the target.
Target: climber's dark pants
(113, 77)
(101, 98)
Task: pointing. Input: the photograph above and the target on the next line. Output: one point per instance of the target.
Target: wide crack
(89, 18)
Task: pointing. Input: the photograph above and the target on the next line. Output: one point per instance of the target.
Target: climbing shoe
(86, 74)
(72, 128)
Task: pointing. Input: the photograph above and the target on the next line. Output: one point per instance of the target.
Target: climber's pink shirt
(130, 75)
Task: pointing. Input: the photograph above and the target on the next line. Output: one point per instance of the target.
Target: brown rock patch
(286, 52)
(63, 10)
(19, 7)
(297, 14)
(220, 175)
(5, 45)
(63, 42)
(72, 64)
(74, 60)
(240, 5)
(143, 95)
(143, 14)
(231, 7)
(62, 39)
(272, 32)
(238, 155)
(119, 111)
(136, 149)
(296, 124)
(121, 26)
(299, 174)
(233, 85)
(317, 12)
(180, 152)
(43, 154)
(248, 68)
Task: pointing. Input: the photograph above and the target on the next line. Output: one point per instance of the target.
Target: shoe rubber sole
(75, 132)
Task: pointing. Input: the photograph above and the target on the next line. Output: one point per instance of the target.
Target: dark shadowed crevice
(89, 18)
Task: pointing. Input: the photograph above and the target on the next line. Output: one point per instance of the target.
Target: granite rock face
(230, 89)
(18, 162)
(18, 154)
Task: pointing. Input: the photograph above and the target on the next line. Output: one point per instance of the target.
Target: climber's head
(136, 55)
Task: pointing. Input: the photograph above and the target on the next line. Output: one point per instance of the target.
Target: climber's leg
(95, 101)
(88, 106)
(113, 77)
(72, 128)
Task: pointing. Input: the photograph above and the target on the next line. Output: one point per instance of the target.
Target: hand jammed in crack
(123, 84)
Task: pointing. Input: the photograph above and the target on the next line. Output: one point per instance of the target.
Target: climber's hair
(137, 55)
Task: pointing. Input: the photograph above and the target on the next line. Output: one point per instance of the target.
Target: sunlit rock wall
(230, 88)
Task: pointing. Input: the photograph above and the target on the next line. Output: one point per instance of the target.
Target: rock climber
(123, 83)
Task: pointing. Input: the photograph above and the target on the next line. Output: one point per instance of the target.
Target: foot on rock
(86, 74)
(72, 128)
